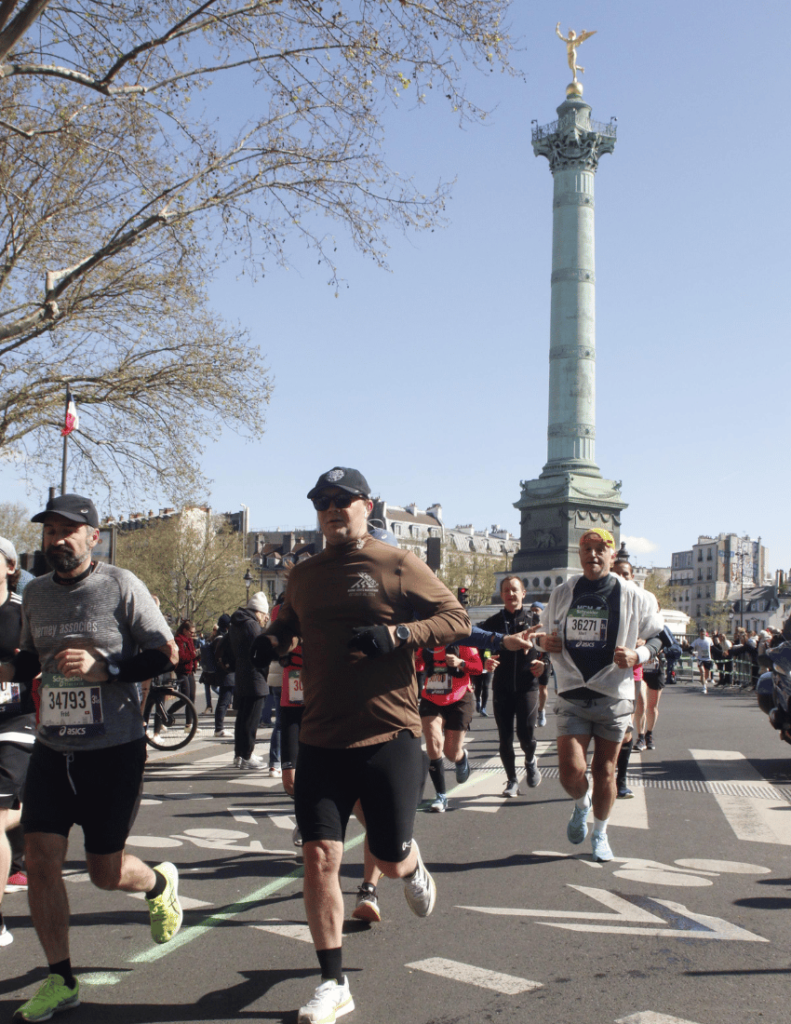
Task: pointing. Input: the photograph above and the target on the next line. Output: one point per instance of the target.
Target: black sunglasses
(323, 502)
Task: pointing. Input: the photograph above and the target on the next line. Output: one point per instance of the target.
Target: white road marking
(683, 919)
(257, 779)
(152, 842)
(100, 978)
(649, 1017)
(631, 813)
(753, 819)
(288, 931)
(725, 867)
(506, 984)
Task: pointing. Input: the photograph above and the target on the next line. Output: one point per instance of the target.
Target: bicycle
(160, 731)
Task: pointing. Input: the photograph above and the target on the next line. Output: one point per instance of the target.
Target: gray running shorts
(603, 717)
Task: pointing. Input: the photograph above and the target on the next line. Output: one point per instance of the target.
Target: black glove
(262, 653)
(373, 641)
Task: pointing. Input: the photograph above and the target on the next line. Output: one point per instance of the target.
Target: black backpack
(223, 654)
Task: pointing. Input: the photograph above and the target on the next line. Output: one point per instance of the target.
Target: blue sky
(432, 378)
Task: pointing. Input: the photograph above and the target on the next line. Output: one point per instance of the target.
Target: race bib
(70, 707)
(586, 626)
(295, 694)
(439, 684)
(10, 695)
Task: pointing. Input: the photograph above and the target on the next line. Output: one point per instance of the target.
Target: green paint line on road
(195, 931)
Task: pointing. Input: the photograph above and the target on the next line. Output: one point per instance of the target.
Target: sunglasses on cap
(323, 502)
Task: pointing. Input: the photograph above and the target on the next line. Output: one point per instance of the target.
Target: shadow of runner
(225, 1005)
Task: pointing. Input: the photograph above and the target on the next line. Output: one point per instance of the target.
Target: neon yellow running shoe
(165, 910)
(53, 996)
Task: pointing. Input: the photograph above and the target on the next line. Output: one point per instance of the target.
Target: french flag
(72, 419)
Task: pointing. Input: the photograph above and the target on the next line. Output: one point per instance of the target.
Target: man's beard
(62, 559)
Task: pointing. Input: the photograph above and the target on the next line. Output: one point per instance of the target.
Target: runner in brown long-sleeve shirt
(360, 609)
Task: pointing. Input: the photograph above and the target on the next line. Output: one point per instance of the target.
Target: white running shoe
(6, 938)
(420, 890)
(253, 763)
(330, 1001)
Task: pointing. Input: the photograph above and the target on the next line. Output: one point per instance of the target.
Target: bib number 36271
(70, 707)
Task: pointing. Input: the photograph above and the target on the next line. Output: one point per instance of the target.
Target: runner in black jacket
(517, 676)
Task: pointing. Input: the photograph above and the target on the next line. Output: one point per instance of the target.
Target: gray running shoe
(367, 908)
(577, 828)
(511, 789)
(624, 793)
(440, 804)
(542, 719)
(601, 846)
(640, 745)
(420, 890)
(649, 741)
(463, 769)
(533, 773)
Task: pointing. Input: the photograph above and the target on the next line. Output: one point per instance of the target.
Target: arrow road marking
(687, 924)
(506, 984)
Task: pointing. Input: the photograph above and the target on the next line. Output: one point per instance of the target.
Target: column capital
(574, 141)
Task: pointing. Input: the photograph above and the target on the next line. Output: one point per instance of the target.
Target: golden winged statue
(572, 42)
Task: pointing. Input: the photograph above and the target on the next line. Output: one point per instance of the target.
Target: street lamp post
(248, 579)
(188, 592)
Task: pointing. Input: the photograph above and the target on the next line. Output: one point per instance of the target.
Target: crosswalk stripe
(506, 984)
(753, 819)
(631, 813)
(288, 931)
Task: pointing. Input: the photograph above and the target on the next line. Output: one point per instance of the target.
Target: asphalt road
(689, 923)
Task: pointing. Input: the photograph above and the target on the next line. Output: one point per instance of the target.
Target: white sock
(600, 825)
(584, 801)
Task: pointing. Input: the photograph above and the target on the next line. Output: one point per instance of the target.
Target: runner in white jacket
(592, 625)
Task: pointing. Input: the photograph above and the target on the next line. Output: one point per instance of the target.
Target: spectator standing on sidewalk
(250, 685)
(223, 673)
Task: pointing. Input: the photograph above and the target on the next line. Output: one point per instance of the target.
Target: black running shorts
(457, 716)
(387, 779)
(290, 720)
(17, 737)
(653, 680)
(99, 790)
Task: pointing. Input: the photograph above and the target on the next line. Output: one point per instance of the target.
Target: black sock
(64, 970)
(159, 885)
(436, 770)
(623, 761)
(331, 963)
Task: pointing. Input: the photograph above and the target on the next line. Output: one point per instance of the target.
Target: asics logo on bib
(365, 585)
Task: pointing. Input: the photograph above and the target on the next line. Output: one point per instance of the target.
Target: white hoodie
(640, 617)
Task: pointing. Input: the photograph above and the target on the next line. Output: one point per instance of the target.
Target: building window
(700, 556)
(708, 555)
(708, 573)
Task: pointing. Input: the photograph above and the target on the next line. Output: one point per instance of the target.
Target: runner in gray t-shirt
(93, 632)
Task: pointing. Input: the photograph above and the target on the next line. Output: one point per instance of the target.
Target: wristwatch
(403, 634)
(113, 671)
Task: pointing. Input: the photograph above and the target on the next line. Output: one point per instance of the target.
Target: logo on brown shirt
(365, 585)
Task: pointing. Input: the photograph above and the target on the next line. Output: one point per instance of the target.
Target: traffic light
(464, 596)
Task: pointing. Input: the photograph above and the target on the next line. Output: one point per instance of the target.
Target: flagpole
(65, 449)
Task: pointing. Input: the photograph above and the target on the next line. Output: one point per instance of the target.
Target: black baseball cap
(70, 506)
(345, 479)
